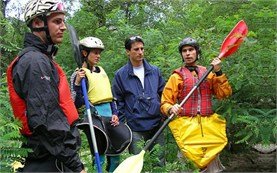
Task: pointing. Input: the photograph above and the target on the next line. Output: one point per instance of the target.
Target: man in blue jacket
(137, 86)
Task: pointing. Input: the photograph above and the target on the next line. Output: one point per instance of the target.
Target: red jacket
(19, 105)
(201, 99)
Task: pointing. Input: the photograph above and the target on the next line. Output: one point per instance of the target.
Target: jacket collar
(32, 40)
(146, 65)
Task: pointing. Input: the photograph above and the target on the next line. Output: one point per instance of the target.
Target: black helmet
(190, 42)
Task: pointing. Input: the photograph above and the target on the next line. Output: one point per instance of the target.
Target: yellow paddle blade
(132, 164)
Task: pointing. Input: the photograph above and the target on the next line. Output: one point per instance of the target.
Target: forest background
(251, 110)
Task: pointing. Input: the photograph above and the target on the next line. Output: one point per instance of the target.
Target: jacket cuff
(219, 73)
(80, 168)
(221, 79)
(168, 110)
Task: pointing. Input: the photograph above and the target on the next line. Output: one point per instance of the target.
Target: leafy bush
(10, 138)
(258, 126)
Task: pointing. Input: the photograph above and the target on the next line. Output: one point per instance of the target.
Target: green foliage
(163, 24)
(247, 125)
(259, 126)
(10, 139)
(151, 159)
(11, 32)
(85, 154)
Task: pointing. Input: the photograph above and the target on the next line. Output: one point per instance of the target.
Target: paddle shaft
(166, 122)
(77, 55)
(91, 128)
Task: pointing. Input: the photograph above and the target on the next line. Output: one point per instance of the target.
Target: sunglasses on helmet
(58, 7)
(135, 38)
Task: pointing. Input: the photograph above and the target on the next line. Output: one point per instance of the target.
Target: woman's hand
(114, 121)
(80, 74)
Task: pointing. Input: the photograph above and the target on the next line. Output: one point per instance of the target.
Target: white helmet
(92, 42)
(38, 7)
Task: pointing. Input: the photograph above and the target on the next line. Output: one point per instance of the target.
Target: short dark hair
(129, 41)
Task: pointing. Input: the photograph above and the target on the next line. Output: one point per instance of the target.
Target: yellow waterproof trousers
(200, 139)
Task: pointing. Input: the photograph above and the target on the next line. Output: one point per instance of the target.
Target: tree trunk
(3, 6)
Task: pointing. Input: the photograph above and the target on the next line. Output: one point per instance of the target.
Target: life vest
(201, 99)
(99, 89)
(19, 105)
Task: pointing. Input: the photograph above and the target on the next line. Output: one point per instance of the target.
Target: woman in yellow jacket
(199, 132)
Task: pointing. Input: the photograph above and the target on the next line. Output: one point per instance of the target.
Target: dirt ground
(251, 161)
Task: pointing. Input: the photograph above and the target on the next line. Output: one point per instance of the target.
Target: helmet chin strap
(45, 29)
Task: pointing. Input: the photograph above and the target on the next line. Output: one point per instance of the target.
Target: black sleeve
(37, 81)
(79, 97)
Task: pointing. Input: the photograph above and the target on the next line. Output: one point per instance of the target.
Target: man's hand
(175, 109)
(217, 64)
(83, 171)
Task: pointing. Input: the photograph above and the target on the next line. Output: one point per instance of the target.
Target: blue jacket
(138, 106)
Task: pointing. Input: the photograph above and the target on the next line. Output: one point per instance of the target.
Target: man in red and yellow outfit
(199, 132)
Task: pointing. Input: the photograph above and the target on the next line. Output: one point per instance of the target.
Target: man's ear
(37, 23)
(127, 52)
